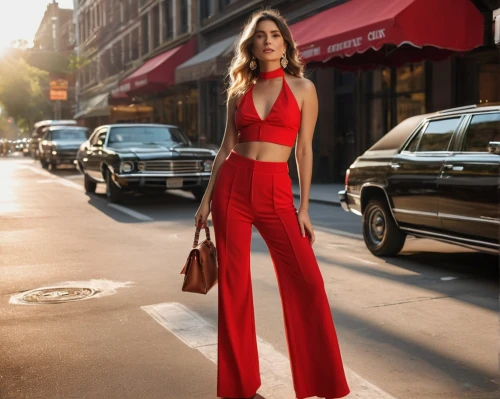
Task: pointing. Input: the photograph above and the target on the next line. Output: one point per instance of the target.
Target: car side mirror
(494, 147)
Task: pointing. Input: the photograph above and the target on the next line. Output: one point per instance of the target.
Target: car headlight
(127, 166)
(141, 166)
(54, 152)
(207, 165)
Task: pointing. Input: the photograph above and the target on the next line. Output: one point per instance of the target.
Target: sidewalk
(322, 193)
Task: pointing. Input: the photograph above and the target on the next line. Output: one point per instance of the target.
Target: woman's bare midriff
(263, 151)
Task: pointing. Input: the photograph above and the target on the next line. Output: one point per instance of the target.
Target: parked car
(433, 176)
(60, 144)
(38, 130)
(143, 158)
(4, 147)
(21, 145)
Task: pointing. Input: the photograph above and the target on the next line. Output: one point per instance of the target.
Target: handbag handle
(197, 235)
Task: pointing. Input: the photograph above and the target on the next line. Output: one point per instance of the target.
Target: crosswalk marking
(198, 333)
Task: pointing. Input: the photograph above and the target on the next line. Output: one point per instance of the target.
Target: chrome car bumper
(343, 200)
(161, 175)
(159, 180)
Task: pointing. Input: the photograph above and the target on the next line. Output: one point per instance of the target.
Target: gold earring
(284, 61)
(253, 64)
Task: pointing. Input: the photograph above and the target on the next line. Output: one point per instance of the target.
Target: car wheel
(89, 184)
(44, 163)
(53, 165)
(382, 236)
(198, 193)
(113, 192)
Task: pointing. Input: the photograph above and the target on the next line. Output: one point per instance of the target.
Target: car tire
(198, 193)
(113, 193)
(89, 184)
(53, 165)
(381, 234)
(44, 163)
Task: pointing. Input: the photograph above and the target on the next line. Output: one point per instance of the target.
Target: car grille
(67, 154)
(173, 166)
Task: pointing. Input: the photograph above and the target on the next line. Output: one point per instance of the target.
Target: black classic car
(38, 131)
(434, 176)
(60, 144)
(146, 158)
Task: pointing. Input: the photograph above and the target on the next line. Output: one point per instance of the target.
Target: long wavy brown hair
(239, 74)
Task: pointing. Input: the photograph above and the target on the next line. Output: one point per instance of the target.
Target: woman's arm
(228, 143)
(304, 153)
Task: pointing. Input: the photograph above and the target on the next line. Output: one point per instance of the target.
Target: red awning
(157, 73)
(367, 33)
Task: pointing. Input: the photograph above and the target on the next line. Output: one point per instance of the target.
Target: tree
(22, 89)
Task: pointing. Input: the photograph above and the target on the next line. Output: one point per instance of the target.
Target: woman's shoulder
(300, 83)
(301, 87)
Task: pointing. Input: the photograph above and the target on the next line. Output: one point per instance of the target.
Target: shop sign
(311, 52)
(351, 43)
(58, 88)
(58, 95)
(58, 84)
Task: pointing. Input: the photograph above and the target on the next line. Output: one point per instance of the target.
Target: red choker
(272, 74)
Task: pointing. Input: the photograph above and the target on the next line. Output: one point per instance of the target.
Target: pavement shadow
(465, 375)
(160, 208)
(64, 170)
(474, 383)
(449, 288)
(477, 264)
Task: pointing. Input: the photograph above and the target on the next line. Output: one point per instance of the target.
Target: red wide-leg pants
(250, 192)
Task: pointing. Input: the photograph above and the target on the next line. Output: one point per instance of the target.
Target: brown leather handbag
(200, 270)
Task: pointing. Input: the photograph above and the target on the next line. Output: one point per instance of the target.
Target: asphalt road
(421, 325)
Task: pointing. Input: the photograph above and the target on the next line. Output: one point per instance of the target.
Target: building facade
(56, 31)
(116, 37)
(358, 108)
(169, 59)
(55, 41)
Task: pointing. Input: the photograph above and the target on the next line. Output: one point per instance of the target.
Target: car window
(412, 145)
(73, 134)
(124, 135)
(438, 134)
(481, 130)
(99, 136)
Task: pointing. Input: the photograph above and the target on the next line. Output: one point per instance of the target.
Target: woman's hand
(305, 225)
(200, 219)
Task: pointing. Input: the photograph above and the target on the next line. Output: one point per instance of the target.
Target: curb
(319, 201)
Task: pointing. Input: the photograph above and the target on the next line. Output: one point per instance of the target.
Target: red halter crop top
(282, 123)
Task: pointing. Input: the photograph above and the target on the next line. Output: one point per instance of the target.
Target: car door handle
(395, 166)
(449, 166)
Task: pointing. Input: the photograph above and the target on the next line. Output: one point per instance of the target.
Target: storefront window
(410, 78)
(381, 81)
(181, 109)
(380, 117)
(380, 111)
(410, 91)
(410, 104)
(396, 94)
(489, 83)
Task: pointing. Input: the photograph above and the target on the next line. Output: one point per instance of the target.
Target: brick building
(165, 61)
(55, 41)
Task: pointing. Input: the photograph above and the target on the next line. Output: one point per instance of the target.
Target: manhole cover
(57, 295)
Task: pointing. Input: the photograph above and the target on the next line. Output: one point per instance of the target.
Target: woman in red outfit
(270, 107)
